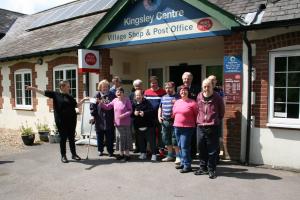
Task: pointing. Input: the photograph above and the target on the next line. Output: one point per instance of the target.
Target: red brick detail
(15, 67)
(1, 90)
(261, 64)
(61, 61)
(233, 46)
(106, 63)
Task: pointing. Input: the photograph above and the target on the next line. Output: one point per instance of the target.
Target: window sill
(23, 108)
(286, 126)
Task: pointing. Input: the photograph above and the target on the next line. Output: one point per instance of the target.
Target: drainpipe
(248, 135)
(249, 111)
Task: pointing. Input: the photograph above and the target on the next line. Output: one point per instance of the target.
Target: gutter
(273, 24)
(38, 54)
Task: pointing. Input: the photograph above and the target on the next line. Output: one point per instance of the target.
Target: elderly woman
(104, 119)
(185, 114)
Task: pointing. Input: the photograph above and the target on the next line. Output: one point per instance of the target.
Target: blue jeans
(184, 137)
(109, 140)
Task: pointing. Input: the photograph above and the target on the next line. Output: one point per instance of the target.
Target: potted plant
(27, 134)
(43, 130)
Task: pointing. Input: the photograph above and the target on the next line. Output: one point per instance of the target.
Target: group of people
(183, 122)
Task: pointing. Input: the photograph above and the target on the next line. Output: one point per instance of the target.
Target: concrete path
(37, 173)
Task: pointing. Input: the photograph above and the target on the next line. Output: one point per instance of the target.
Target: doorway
(177, 71)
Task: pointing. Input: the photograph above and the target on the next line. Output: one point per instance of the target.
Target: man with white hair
(211, 111)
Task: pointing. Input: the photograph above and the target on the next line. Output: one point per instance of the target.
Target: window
(69, 73)
(23, 98)
(284, 104)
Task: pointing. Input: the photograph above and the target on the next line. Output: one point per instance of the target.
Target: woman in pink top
(122, 111)
(185, 114)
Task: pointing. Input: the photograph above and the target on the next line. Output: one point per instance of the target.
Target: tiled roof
(277, 11)
(7, 18)
(19, 41)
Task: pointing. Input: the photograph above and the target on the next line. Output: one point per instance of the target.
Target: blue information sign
(233, 64)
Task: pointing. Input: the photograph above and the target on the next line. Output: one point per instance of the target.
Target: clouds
(30, 6)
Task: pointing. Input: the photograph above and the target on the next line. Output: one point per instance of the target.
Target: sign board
(233, 79)
(233, 88)
(233, 64)
(161, 20)
(88, 61)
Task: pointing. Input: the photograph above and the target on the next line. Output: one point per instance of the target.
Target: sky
(30, 6)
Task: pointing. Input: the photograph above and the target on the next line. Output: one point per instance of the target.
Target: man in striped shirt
(166, 121)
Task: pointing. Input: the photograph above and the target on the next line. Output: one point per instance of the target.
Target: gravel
(10, 141)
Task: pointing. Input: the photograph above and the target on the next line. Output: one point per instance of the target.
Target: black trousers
(208, 144)
(64, 135)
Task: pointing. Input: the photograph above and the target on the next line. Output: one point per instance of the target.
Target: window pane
(293, 95)
(294, 63)
(293, 110)
(73, 93)
(27, 101)
(280, 95)
(18, 78)
(294, 79)
(19, 101)
(59, 76)
(19, 93)
(279, 107)
(280, 64)
(280, 79)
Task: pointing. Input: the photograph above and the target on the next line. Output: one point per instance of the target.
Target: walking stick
(88, 148)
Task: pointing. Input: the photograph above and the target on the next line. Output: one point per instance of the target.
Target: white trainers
(167, 159)
(142, 156)
(177, 161)
(153, 158)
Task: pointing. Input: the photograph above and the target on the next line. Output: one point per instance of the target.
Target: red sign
(205, 24)
(233, 87)
(90, 59)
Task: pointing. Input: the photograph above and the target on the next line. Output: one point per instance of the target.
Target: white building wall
(275, 147)
(14, 118)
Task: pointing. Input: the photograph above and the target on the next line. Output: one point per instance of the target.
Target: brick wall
(61, 61)
(261, 63)
(15, 67)
(1, 90)
(106, 63)
(233, 46)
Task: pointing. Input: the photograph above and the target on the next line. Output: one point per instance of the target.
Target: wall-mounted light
(39, 61)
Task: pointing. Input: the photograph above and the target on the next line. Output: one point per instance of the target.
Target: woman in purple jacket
(210, 114)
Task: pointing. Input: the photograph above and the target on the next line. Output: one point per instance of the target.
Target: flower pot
(57, 138)
(44, 136)
(28, 139)
(52, 139)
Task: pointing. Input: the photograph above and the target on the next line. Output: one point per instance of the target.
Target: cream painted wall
(119, 59)
(12, 118)
(275, 147)
(140, 62)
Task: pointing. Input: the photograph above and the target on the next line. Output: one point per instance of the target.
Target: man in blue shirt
(166, 121)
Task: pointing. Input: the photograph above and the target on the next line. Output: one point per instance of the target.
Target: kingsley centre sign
(157, 21)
